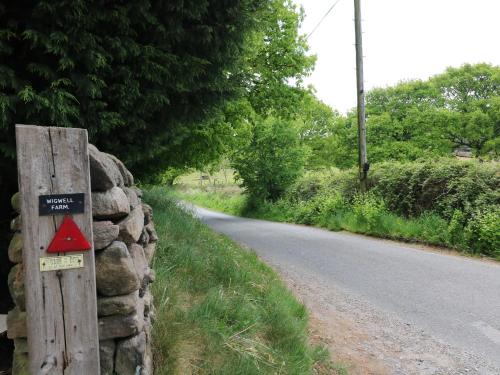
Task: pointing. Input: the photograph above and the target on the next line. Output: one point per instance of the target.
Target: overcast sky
(403, 39)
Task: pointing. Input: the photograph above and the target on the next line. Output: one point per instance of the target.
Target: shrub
(456, 228)
(482, 232)
(446, 202)
(271, 161)
(442, 186)
(368, 210)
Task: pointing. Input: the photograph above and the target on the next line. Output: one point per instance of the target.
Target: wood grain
(61, 305)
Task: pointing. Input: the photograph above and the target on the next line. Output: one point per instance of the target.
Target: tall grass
(220, 310)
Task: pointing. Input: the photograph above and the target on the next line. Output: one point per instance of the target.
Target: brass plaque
(61, 262)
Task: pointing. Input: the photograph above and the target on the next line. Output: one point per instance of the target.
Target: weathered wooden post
(54, 182)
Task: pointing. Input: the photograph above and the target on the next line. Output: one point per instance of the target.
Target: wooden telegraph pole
(58, 256)
(362, 156)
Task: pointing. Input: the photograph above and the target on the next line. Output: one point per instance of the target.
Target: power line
(322, 19)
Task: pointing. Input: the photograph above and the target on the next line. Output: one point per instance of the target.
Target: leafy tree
(462, 87)
(141, 76)
(275, 63)
(411, 120)
(272, 160)
(472, 94)
(147, 78)
(277, 60)
(430, 118)
(319, 129)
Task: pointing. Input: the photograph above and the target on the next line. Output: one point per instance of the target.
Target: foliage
(483, 231)
(317, 124)
(446, 202)
(443, 186)
(277, 61)
(413, 120)
(271, 161)
(140, 76)
(219, 309)
(368, 208)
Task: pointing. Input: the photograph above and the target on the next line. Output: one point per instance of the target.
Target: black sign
(61, 204)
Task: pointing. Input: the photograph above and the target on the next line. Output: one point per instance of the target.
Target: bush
(368, 209)
(483, 232)
(271, 161)
(456, 228)
(449, 203)
(442, 186)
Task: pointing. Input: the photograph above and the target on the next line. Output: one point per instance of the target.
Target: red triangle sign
(68, 238)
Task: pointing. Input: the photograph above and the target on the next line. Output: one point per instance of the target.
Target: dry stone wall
(124, 243)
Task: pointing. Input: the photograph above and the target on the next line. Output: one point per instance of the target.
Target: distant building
(463, 152)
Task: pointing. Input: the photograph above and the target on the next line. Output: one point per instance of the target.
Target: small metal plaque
(65, 262)
(55, 204)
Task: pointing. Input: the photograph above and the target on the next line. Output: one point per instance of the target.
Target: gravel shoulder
(370, 341)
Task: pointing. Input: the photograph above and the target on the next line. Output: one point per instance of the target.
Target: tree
(272, 160)
(319, 126)
(431, 118)
(146, 78)
(277, 61)
(141, 76)
(275, 64)
(461, 88)
(472, 93)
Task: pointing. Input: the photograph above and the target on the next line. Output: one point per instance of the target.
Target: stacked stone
(124, 243)
(16, 318)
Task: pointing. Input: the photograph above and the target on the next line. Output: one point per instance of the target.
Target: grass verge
(219, 309)
(367, 215)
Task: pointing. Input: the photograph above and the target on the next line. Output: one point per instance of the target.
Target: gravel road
(383, 307)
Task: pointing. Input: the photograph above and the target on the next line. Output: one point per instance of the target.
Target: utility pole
(362, 156)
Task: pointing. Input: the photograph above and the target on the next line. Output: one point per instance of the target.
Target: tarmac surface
(402, 292)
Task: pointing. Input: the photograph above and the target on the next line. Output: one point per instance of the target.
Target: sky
(402, 39)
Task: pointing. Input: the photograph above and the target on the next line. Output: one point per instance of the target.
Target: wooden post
(61, 304)
(362, 156)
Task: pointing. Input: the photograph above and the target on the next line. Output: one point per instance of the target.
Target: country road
(381, 306)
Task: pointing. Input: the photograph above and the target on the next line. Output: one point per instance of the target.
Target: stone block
(118, 305)
(15, 202)
(131, 227)
(137, 191)
(104, 174)
(144, 239)
(15, 281)
(118, 326)
(148, 302)
(139, 259)
(150, 228)
(147, 368)
(115, 271)
(128, 179)
(130, 355)
(107, 350)
(132, 197)
(16, 248)
(150, 275)
(149, 251)
(105, 232)
(110, 204)
(16, 324)
(148, 213)
(15, 224)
